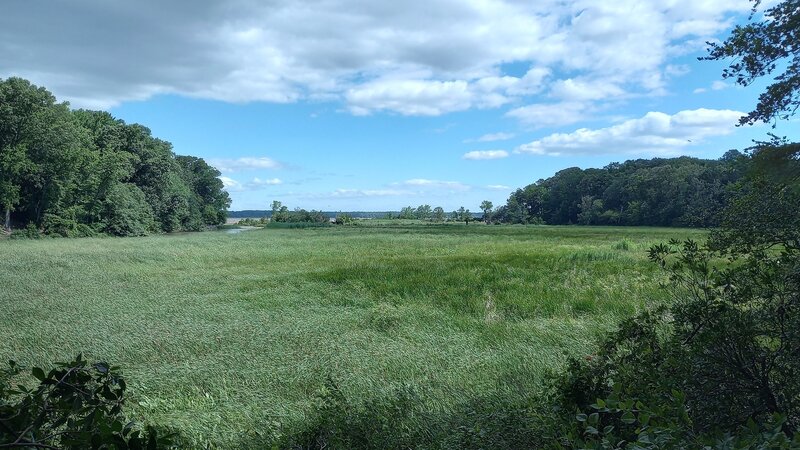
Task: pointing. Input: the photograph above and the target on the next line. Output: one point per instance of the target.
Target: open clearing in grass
(229, 336)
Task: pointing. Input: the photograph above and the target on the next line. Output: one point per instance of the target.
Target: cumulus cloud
(364, 193)
(417, 57)
(423, 183)
(255, 184)
(492, 137)
(486, 154)
(415, 187)
(419, 97)
(716, 85)
(572, 90)
(241, 164)
(231, 185)
(258, 182)
(550, 114)
(655, 133)
(410, 97)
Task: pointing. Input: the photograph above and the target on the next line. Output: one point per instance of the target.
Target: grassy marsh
(229, 336)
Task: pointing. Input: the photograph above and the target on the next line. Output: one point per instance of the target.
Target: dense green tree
(42, 148)
(524, 205)
(423, 212)
(438, 214)
(208, 202)
(127, 212)
(486, 207)
(665, 192)
(407, 212)
(60, 169)
(275, 207)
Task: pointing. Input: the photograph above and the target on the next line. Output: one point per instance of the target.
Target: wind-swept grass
(230, 336)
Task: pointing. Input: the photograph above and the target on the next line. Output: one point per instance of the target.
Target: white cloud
(362, 193)
(410, 97)
(258, 182)
(550, 114)
(719, 85)
(716, 85)
(424, 183)
(655, 133)
(240, 164)
(581, 90)
(498, 187)
(255, 184)
(486, 154)
(492, 137)
(677, 70)
(420, 97)
(417, 57)
(231, 185)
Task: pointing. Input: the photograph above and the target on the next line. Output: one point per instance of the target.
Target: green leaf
(38, 373)
(628, 418)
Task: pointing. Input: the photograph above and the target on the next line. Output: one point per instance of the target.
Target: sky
(372, 105)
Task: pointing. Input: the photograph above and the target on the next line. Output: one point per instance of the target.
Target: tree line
(79, 173)
(683, 191)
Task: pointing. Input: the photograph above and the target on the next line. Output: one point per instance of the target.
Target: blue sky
(365, 105)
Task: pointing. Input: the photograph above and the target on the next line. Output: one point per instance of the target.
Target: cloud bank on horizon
(564, 78)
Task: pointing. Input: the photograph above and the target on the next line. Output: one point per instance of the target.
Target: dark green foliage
(764, 212)
(720, 365)
(253, 222)
(659, 192)
(402, 417)
(62, 170)
(29, 232)
(75, 405)
(54, 225)
(390, 420)
(208, 201)
(127, 212)
(757, 50)
(407, 212)
(281, 214)
(344, 219)
(305, 224)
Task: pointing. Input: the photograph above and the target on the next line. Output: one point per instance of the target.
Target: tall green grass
(230, 337)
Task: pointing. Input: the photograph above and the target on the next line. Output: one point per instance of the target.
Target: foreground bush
(76, 405)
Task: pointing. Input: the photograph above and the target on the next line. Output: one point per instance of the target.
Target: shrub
(718, 366)
(127, 211)
(29, 232)
(75, 405)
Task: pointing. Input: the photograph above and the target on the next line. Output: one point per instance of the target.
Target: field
(230, 337)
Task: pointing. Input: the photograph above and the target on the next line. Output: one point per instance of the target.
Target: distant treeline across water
(258, 213)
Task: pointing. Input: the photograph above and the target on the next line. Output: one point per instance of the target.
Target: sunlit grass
(229, 336)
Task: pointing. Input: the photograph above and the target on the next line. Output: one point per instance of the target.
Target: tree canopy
(84, 172)
(665, 192)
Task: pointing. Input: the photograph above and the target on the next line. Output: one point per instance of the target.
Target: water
(239, 230)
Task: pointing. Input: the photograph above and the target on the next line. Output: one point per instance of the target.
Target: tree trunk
(7, 223)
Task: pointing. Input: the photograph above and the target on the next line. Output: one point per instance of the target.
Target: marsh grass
(230, 337)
